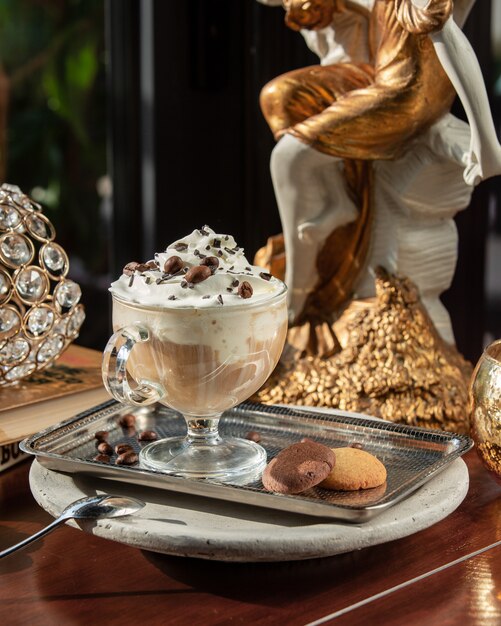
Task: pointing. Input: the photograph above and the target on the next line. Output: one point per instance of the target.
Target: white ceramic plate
(186, 525)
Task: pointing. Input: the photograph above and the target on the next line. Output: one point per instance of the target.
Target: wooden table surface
(447, 574)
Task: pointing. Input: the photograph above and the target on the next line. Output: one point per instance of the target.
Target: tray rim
(241, 494)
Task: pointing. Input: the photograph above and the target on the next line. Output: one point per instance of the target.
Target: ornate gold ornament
(365, 142)
(40, 314)
(392, 363)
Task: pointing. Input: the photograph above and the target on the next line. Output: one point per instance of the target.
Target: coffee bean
(147, 435)
(173, 265)
(198, 274)
(245, 290)
(211, 262)
(129, 269)
(101, 435)
(127, 421)
(104, 448)
(253, 435)
(102, 458)
(127, 458)
(265, 275)
(120, 448)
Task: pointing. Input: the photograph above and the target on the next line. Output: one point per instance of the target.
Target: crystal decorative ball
(40, 314)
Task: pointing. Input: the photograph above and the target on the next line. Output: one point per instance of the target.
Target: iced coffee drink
(202, 329)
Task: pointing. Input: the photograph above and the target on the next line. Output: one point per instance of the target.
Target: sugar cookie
(355, 469)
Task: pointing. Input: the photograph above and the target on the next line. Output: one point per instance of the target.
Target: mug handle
(116, 378)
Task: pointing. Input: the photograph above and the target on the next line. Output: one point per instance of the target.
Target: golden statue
(369, 170)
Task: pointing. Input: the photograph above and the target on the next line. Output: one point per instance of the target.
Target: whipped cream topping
(232, 281)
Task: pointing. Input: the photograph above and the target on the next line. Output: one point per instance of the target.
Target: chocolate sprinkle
(131, 279)
(205, 297)
(230, 251)
(220, 299)
(249, 269)
(265, 275)
(180, 246)
(229, 289)
(172, 298)
(184, 284)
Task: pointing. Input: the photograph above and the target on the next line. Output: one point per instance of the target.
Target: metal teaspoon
(95, 507)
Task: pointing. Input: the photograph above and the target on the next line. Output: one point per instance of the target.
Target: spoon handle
(41, 533)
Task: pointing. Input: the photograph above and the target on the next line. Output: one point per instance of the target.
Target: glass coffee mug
(485, 408)
(200, 362)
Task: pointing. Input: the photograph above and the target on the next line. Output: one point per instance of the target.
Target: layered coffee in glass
(200, 330)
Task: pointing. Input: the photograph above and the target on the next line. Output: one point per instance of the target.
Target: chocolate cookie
(355, 469)
(298, 467)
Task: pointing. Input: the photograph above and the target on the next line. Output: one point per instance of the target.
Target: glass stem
(203, 431)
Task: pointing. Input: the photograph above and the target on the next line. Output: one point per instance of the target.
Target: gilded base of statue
(386, 359)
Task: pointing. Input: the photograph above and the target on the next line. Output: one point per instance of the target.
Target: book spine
(10, 455)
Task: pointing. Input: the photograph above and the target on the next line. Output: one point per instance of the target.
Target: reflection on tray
(411, 455)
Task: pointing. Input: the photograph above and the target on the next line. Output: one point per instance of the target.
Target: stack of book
(72, 385)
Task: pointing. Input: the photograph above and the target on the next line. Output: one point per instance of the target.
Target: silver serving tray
(411, 455)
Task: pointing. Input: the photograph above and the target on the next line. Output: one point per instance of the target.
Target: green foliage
(52, 53)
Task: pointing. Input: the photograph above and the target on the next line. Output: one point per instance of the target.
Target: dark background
(193, 117)
(135, 121)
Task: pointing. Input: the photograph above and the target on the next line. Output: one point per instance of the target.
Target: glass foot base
(229, 460)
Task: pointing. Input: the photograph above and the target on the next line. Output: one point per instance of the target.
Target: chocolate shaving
(180, 246)
(226, 237)
(265, 275)
(204, 232)
(216, 243)
(207, 247)
(219, 253)
(230, 251)
(235, 283)
(172, 297)
(205, 297)
(184, 284)
(131, 279)
(220, 299)
(249, 269)
(229, 289)
(196, 252)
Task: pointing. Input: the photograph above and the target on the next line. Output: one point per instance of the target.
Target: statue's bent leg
(312, 201)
